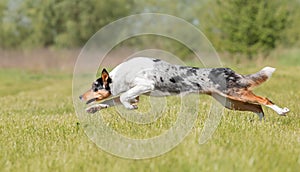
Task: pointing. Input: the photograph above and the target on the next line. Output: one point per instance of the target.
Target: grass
(40, 131)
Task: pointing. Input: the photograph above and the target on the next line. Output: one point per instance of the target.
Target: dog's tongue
(91, 100)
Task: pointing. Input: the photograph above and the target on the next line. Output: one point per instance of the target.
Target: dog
(155, 77)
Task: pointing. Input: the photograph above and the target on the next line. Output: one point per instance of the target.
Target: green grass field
(40, 131)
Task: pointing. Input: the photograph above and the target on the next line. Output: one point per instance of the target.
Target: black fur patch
(98, 84)
(176, 79)
(183, 67)
(172, 80)
(197, 85)
(192, 71)
(161, 79)
(225, 78)
(156, 60)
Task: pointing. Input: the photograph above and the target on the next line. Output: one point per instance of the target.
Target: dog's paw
(284, 111)
(131, 107)
(92, 109)
(96, 108)
(133, 101)
(134, 106)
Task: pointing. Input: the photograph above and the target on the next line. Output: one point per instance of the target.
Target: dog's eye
(94, 86)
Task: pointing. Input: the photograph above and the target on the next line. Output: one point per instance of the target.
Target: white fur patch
(280, 111)
(268, 71)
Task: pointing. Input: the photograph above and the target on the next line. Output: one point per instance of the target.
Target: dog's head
(100, 89)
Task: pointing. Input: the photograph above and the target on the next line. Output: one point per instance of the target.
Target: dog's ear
(105, 76)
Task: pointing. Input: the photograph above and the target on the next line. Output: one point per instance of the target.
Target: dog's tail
(256, 79)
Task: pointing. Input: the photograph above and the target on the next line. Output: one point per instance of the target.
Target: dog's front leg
(96, 107)
(131, 95)
(108, 103)
(103, 105)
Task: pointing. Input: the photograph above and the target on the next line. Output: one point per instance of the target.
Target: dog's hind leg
(239, 105)
(250, 97)
(131, 95)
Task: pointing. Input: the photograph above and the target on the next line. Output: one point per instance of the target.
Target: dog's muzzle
(88, 101)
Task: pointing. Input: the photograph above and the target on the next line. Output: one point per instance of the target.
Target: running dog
(155, 77)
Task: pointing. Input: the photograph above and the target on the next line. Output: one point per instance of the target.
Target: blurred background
(48, 34)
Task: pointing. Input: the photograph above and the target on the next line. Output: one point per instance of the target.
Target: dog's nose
(80, 97)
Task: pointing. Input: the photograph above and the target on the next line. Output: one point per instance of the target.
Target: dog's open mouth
(91, 101)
